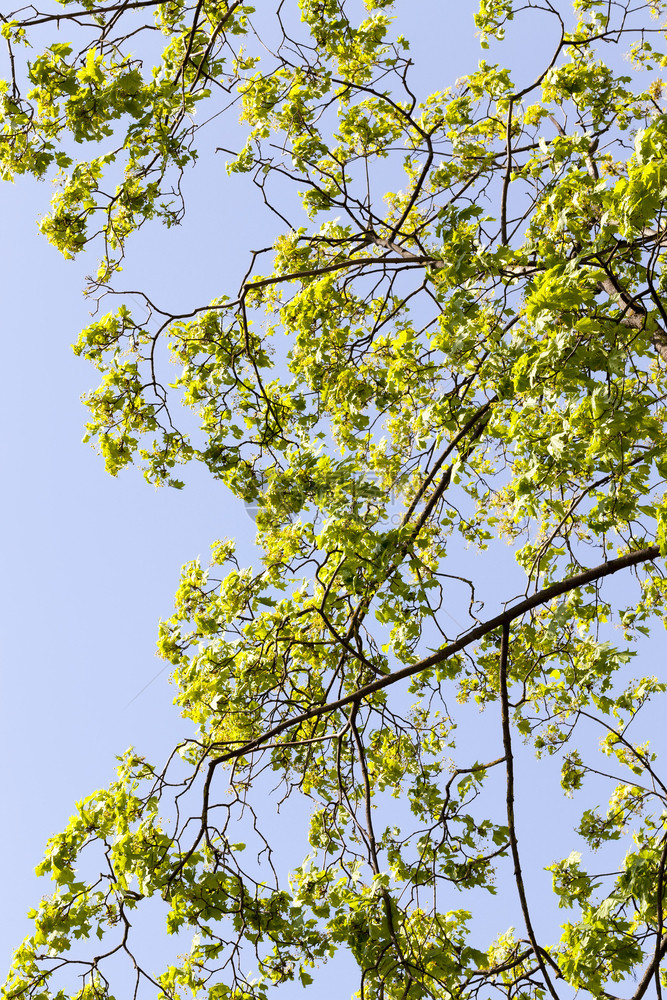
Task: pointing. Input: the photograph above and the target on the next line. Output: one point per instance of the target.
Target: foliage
(470, 283)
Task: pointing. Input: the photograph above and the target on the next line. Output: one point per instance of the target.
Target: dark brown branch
(660, 916)
(634, 315)
(191, 38)
(506, 178)
(511, 824)
(535, 600)
(372, 845)
(315, 272)
(645, 981)
(72, 15)
(468, 426)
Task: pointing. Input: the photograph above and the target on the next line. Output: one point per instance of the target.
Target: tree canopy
(456, 339)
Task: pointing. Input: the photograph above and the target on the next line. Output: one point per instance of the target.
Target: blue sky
(90, 563)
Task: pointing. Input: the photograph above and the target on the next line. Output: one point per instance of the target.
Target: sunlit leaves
(455, 331)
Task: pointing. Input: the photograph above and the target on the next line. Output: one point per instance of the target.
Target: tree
(471, 286)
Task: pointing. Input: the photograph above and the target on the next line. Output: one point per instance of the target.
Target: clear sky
(91, 563)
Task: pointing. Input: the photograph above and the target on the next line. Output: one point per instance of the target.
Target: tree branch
(511, 825)
(505, 617)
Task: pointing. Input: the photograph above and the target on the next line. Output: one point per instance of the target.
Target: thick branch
(505, 617)
(316, 272)
(41, 18)
(645, 981)
(635, 314)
